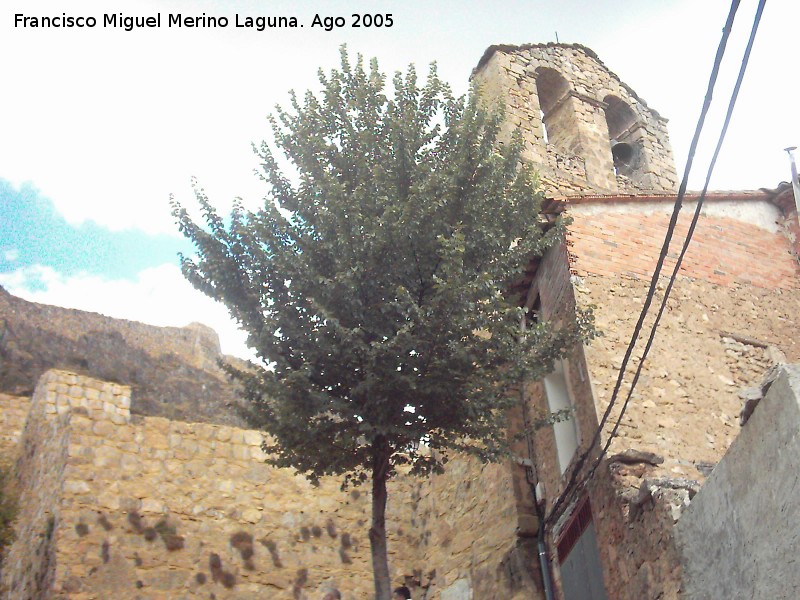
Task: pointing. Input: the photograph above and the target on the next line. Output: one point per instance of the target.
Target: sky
(100, 126)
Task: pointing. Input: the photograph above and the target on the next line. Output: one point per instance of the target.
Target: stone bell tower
(586, 131)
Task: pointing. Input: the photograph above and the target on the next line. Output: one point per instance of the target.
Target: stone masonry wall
(635, 531)
(509, 74)
(465, 528)
(739, 537)
(732, 315)
(160, 509)
(713, 343)
(172, 371)
(29, 564)
(197, 344)
(142, 507)
(554, 287)
(13, 412)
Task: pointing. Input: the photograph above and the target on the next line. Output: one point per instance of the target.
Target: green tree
(374, 282)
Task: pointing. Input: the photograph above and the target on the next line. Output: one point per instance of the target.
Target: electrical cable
(685, 247)
(690, 232)
(576, 471)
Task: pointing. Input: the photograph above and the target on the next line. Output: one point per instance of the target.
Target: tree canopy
(374, 281)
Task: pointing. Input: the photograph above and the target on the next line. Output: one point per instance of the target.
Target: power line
(690, 232)
(571, 487)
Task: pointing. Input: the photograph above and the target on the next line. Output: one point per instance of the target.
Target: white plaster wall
(756, 212)
(740, 536)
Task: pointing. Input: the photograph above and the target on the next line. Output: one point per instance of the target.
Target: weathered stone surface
(732, 547)
(458, 590)
(570, 110)
(632, 456)
(685, 405)
(138, 508)
(173, 371)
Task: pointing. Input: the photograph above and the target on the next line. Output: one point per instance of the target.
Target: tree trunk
(377, 533)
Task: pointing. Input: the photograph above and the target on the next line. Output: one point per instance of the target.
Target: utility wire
(690, 232)
(570, 487)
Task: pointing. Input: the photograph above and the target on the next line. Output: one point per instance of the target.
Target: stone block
(253, 438)
(241, 452)
(130, 463)
(106, 456)
(251, 515)
(226, 486)
(76, 487)
(109, 500)
(118, 419)
(154, 440)
(104, 428)
(152, 505)
(256, 453)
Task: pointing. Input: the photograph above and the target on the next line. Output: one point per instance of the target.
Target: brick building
(605, 160)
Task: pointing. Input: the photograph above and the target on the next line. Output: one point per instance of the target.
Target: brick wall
(727, 248)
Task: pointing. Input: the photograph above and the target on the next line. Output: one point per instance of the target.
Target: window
(559, 399)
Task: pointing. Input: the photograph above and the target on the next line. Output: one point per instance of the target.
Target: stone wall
(29, 563)
(197, 344)
(715, 341)
(732, 315)
(142, 507)
(739, 537)
(564, 95)
(13, 412)
(172, 371)
(635, 511)
(466, 528)
(554, 288)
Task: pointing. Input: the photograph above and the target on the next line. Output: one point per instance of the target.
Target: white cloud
(11, 255)
(159, 296)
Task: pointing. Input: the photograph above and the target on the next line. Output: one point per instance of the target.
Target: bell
(622, 153)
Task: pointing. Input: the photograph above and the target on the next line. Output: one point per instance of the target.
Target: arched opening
(621, 120)
(558, 120)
